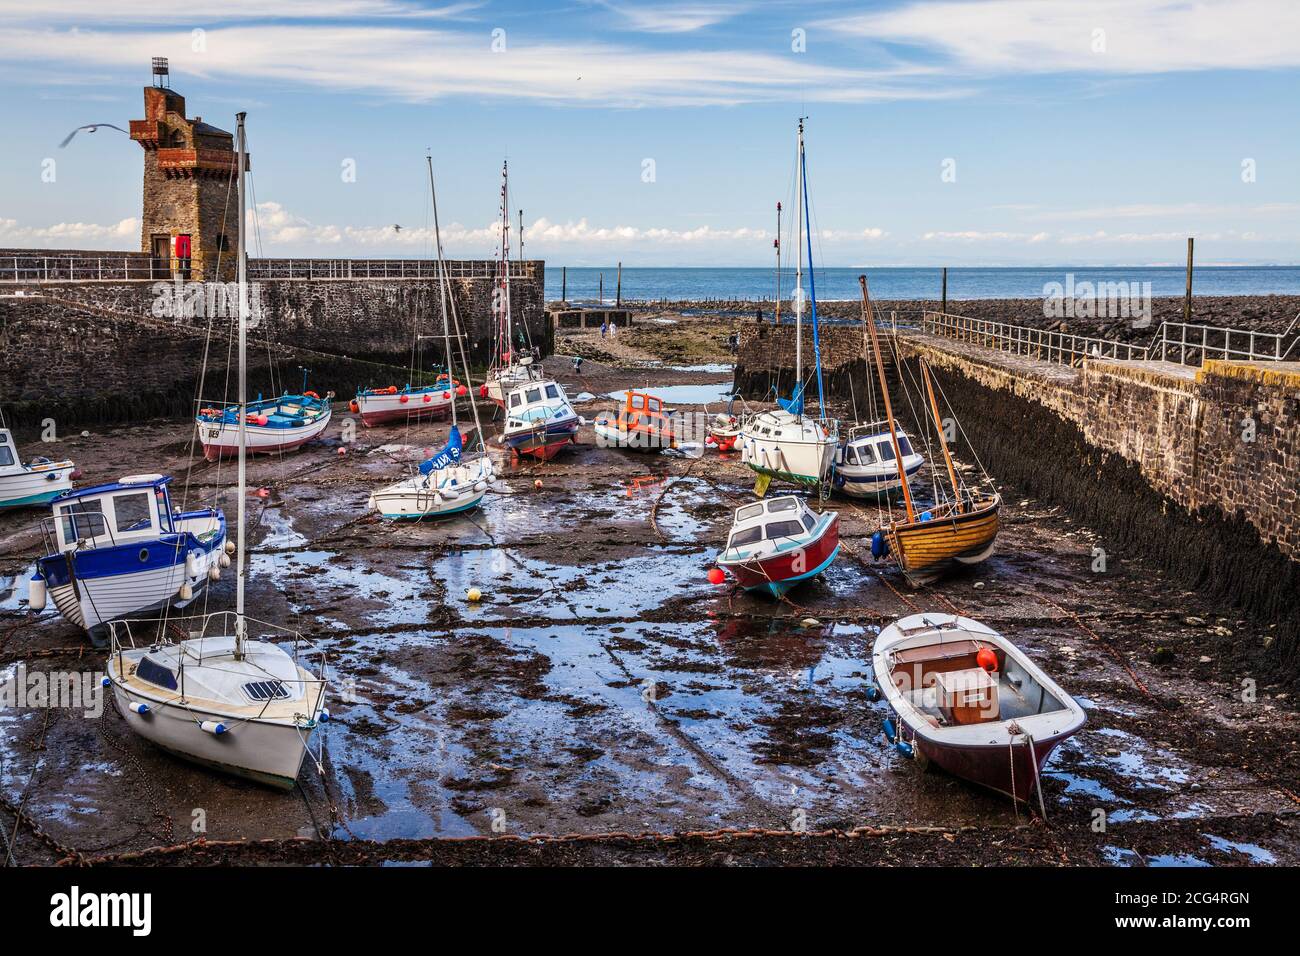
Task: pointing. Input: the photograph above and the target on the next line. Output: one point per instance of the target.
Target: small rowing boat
(776, 544)
(971, 702)
(409, 403)
(35, 483)
(724, 429)
(271, 425)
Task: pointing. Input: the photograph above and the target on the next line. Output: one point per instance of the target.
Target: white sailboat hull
(788, 447)
(441, 493)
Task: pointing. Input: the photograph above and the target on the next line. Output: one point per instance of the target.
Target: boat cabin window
(131, 512)
(81, 519)
(749, 511)
(155, 673)
(515, 399)
(886, 451)
(6, 455)
(904, 445)
(867, 455)
(638, 401)
(809, 521)
(552, 391)
(748, 536)
(783, 504)
(534, 395)
(784, 529)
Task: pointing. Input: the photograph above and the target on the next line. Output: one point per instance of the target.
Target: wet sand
(605, 692)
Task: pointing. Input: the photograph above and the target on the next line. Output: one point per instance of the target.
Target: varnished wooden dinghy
(935, 540)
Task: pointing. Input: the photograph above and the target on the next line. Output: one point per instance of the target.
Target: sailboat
(959, 530)
(220, 696)
(510, 367)
(446, 483)
(784, 443)
(35, 483)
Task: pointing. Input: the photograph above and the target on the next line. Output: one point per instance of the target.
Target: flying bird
(396, 228)
(89, 128)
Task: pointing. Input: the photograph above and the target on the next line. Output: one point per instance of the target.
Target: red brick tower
(190, 218)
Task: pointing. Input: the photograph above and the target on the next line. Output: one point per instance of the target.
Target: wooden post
(944, 308)
(1187, 299)
(602, 288)
(564, 283)
(618, 294)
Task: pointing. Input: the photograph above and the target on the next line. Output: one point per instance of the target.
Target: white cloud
(1195, 210)
(973, 235)
(675, 18)
(419, 64)
(1139, 36)
(202, 12)
(67, 235)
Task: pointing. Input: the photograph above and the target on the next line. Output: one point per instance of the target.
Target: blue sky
(1080, 131)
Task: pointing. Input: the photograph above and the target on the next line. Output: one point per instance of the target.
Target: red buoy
(404, 399)
(427, 398)
(717, 575)
(987, 660)
(482, 391)
(446, 396)
(462, 391)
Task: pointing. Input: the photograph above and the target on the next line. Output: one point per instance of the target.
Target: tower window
(223, 244)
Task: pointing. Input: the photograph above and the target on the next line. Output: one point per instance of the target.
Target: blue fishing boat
(119, 549)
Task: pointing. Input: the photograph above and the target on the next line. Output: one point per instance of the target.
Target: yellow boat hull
(926, 549)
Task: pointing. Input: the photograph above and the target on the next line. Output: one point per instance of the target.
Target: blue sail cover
(793, 404)
(449, 455)
(812, 289)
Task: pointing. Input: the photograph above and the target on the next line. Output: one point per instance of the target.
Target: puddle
(388, 598)
(713, 393)
(13, 592)
(715, 368)
(1256, 852)
(280, 534)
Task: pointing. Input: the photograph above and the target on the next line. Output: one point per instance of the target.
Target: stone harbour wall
(86, 352)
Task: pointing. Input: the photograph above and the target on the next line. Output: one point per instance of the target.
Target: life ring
(311, 395)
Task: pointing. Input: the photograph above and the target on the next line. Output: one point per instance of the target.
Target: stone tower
(190, 221)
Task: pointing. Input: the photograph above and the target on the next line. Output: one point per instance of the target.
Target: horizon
(969, 134)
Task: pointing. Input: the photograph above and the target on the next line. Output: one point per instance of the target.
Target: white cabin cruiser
(35, 483)
(865, 465)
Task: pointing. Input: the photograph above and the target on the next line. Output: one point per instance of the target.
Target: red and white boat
(410, 403)
(541, 422)
(271, 425)
(724, 429)
(971, 702)
(778, 543)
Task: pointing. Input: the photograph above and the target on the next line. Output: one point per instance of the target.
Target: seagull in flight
(89, 128)
(396, 228)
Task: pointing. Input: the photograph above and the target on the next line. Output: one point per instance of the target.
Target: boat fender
(186, 592)
(311, 394)
(404, 399)
(324, 717)
(191, 566)
(987, 660)
(214, 572)
(354, 407)
(925, 516)
(904, 749)
(36, 594)
(214, 727)
(427, 398)
(224, 560)
(480, 485)
(230, 549)
(52, 476)
(873, 693)
(879, 545)
(105, 682)
(890, 733)
(140, 707)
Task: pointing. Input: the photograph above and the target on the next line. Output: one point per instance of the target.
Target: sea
(583, 283)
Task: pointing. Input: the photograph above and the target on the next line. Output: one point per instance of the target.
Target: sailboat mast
(242, 276)
(442, 288)
(938, 427)
(777, 243)
(884, 390)
(798, 272)
(508, 346)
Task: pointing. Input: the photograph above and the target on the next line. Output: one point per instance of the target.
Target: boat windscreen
(784, 529)
(747, 536)
(782, 504)
(749, 511)
(904, 445)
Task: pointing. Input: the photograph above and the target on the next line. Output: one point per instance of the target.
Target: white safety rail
(383, 269)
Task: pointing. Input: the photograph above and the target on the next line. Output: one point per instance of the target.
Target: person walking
(604, 326)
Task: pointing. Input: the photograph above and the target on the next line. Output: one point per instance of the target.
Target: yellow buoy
(474, 594)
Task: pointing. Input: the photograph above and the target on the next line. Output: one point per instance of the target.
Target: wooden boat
(450, 482)
(776, 544)
(642, 424)
(119, 549)
(540, 420)
(865, 466)
(785, 444)
(35, 483)
(271, 425)
(971, 702)
(240, 704)
(409, 403)
(962, 529)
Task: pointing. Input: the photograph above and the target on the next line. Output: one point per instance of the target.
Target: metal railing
(382, 269)
(1183, 343)
(145, 268)
(1063, 348)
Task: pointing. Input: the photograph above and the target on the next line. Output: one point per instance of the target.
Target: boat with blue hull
(119, 549)
(865, 466)
(540, 421)
(36, 483)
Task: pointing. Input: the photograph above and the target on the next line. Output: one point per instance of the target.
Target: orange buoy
(537, 483)
(987, 660)
(342, 451)
(403, 399)
(427, 398)
(311, 394)
(354, 406)
(717, 575)
(462, 391)
(446, 396)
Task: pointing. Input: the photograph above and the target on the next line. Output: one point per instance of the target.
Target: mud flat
(605, 704)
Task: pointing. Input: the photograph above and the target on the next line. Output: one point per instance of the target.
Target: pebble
(979, 585)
